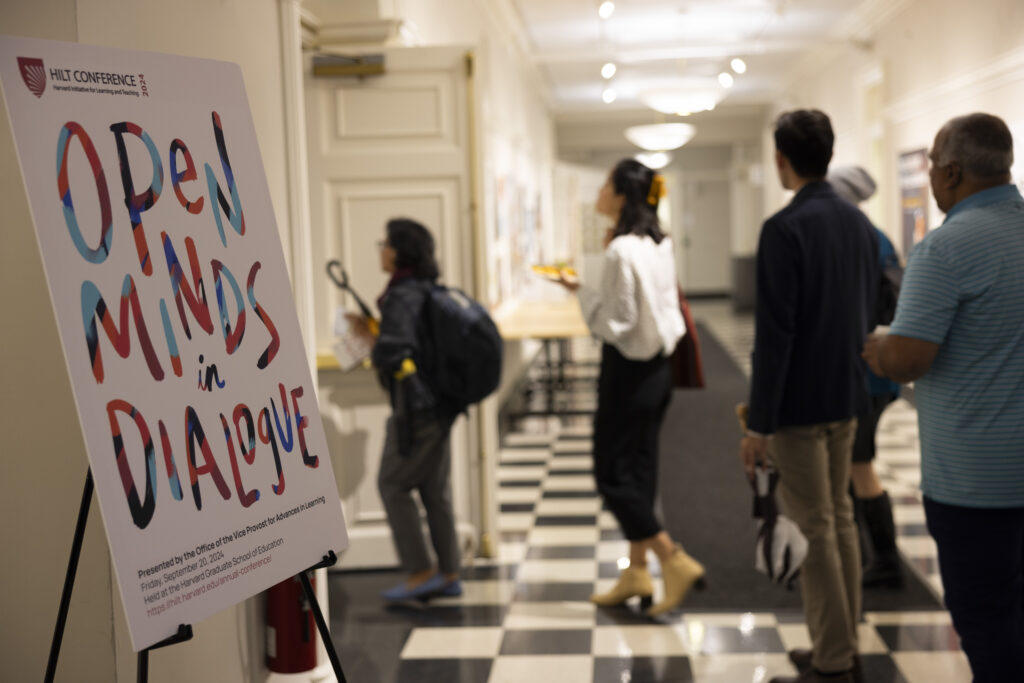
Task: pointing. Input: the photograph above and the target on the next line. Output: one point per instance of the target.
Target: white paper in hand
(350, 347)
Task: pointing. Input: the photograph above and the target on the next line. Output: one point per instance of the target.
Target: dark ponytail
(642, 192)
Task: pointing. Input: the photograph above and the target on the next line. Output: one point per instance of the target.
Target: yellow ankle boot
(632, 581)
(680, 572)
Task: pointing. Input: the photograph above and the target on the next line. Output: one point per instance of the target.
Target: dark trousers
(632, 397)
(981, 559)
(867, 425)
(425, 468)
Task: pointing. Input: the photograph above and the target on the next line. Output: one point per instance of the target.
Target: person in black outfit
(417, 453)
(817, 279)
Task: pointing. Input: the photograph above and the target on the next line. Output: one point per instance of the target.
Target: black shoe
(815, 676)
(883, 572)
(801, 659)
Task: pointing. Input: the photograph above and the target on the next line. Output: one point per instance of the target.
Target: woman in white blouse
(635, 312)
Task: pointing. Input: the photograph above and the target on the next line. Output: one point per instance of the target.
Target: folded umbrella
(781, 547)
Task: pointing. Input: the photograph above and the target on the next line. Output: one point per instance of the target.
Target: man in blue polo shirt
(959, 333)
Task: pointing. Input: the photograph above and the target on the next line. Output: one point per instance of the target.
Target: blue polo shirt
(964, 290)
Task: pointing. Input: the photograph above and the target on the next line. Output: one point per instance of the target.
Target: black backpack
(463, 349)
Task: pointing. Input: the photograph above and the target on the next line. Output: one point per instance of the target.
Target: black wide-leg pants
(632, 397)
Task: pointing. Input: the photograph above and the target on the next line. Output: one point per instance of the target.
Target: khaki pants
(814, 468)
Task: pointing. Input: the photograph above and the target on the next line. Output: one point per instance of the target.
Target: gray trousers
(814, 483)
(427, 470)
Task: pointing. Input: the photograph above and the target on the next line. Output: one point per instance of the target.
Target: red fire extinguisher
(291, 632)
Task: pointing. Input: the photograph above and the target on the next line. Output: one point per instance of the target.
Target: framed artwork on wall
(914, 199)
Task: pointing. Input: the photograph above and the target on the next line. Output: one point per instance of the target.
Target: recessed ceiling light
(725, 79)
(738, 65)
(608, 70)
(608, 95)
(606, 9)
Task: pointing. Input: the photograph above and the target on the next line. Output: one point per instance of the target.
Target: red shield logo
(34, 74)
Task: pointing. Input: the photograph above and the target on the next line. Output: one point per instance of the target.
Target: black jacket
(817, 279)
(402, 336)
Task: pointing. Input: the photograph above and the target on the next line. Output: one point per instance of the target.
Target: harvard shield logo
(34, 74)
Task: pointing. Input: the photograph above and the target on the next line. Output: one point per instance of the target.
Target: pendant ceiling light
(660, 137)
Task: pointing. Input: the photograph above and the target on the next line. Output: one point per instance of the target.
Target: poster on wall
(168, 282)
(914, 197)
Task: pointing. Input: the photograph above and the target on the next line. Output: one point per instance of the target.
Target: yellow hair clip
(657, 189)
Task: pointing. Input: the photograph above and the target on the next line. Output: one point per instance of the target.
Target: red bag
(687, 370)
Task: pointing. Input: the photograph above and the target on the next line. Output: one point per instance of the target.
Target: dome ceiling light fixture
(660, 137)
(683, 101)
(654, 160)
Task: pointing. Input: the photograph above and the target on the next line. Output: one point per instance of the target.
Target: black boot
(884, 568)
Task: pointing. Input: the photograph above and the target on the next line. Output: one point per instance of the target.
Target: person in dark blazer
(817, 278)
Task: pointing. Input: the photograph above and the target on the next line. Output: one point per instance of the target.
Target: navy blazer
(817, 280)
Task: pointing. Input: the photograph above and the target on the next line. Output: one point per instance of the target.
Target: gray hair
(980, 143)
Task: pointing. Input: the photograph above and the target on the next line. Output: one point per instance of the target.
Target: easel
(184, 631)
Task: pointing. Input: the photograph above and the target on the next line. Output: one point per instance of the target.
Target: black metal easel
(184, 630)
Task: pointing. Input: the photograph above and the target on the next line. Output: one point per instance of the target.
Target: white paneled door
(706, 226)
(384, 146)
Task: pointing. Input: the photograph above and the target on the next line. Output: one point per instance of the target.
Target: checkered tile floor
(525, 616)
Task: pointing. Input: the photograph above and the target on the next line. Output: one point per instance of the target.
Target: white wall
(935, 59)
(44, 464)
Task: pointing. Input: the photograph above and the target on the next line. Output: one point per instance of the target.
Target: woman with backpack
(635, 312)
(417, 453)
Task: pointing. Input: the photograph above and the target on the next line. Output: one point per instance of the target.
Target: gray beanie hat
(852, 183)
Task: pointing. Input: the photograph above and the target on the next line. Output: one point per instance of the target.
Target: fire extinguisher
(291, 632)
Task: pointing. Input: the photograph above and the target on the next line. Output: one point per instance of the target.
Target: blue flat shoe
(452, 589)
(401, 593)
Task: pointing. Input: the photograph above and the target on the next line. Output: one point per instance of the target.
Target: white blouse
(636, 308)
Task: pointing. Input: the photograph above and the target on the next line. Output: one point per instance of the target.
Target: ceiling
(659, 45)
(674, 44)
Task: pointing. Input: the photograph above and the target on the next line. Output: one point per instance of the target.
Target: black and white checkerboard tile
(526, 616)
